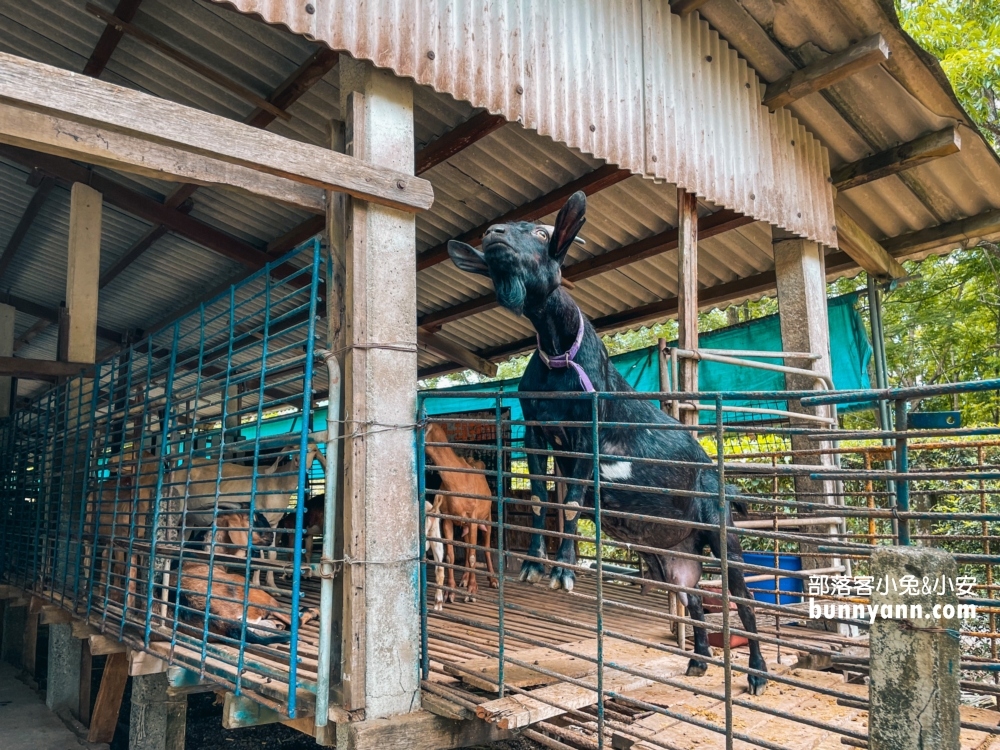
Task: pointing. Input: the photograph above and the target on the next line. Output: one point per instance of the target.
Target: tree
(965, 36)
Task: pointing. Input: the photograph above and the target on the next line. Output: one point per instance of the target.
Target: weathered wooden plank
(946, 236)
(895, 160)
(144, 663)
(187, 61)
(59, 136)
(826, 72)
(434, 343)
(462, 136)
(53, 615)
(86, 679)
(868, 253)
(39, 369)
(443, 707)
(101, 645)
(32, 85)
(109, 698)
(518, 711)
(420, 730)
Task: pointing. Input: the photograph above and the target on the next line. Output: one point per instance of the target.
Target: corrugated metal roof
(624, 80)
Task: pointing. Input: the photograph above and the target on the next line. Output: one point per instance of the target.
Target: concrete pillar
(83, 269)
(687, 293)
(914, 690)
(12, 644)
(158, 721)
(7, 314)
(801, 280)
(62, 690)
(381, 629)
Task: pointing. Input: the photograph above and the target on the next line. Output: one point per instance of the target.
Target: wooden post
(687, 293)
(12, 641)
(7, 314)
(86, 678)
(802, 310)
(109, 698)
(336, 272)
(380, 506)
(83, 270)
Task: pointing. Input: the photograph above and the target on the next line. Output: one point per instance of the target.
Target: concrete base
(158, 720)
(63, 688)
(25, 722)
(914, 660)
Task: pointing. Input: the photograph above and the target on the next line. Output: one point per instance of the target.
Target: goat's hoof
(494, 583)
(696, 668)
(470, 598)
(532, 572)
(562, 579)
(450, 597)
(438, 606)
(758, 685)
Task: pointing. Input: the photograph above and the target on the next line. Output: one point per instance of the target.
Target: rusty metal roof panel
(623, 80)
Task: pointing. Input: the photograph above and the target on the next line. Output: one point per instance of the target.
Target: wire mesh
(617, 622)
(146, 496)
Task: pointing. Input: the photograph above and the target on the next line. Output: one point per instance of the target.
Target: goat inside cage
(164, 496)
(650, 607)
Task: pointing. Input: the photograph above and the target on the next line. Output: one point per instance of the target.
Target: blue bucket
(785, 562)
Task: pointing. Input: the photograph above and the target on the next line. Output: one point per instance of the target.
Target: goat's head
(524, 259)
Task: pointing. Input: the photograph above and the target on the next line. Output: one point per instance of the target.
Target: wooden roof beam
(825, 73)
(946, 236)
(311, 71)
(51, 314)
(38, 87)
(35, 205)
(438, 345)
(58, 136)
(683, 7)
(175, 54)
(590, 183)
(708, 226)
(31, 334)
(144, 207)
(868, 253)
(39, 369)
(895, 160)
(110, 37)
(455, 140)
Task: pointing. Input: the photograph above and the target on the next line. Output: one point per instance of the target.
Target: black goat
(524, 260)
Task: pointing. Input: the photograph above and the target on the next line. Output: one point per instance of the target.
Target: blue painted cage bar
(153, 490)
(601, 666)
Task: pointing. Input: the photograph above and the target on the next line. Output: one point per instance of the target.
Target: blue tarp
(850, 348)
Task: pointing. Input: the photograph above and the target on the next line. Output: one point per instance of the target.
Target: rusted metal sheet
(622, 80)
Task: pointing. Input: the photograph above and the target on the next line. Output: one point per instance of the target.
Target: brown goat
(473, 508)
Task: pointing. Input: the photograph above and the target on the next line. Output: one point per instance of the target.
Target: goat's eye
(542, 234)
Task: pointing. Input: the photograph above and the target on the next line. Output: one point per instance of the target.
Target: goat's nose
(497, 229)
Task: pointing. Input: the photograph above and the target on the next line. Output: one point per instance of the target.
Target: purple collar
(566, 358)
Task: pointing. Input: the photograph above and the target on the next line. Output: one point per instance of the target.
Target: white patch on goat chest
(616, 471)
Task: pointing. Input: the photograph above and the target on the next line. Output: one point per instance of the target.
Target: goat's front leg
(532, 571)
(563, 576)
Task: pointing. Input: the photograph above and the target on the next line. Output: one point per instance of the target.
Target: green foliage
(965, 36)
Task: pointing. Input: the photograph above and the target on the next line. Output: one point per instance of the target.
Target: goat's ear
(467, 258)
(568, 223)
